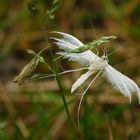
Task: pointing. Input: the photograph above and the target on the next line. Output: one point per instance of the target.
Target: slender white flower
(118, 81)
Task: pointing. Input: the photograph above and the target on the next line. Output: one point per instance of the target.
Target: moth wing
(68, 43)
(81, 80)
(86, 58)
(120, 82)
(64, 45)
(70, 39)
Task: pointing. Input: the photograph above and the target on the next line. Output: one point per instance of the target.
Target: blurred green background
(35, 109)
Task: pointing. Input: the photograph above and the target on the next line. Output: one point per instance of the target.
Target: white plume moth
(119, 81)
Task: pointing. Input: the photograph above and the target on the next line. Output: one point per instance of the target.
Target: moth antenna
(116, 49)
(93, 28)
(111, 53)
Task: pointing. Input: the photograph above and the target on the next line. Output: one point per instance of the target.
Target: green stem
(64, 99)
(86, 120)
(66, 109)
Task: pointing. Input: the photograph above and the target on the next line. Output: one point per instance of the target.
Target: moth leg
(105, 55)
(80, 102)
(74, 70)
(64, 72)
(97, 51)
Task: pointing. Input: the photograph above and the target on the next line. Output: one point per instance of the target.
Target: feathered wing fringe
(69, 43)
(70, 39)
(85, 58)
(63, 44)
(121, 82)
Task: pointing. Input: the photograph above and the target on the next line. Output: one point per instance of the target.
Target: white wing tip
(54, 38)
(54, 32)
(57, 32)
(73, 89)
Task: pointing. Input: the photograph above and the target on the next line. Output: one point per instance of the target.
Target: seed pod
(28, 69)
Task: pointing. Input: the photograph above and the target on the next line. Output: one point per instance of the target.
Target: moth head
(105, 58)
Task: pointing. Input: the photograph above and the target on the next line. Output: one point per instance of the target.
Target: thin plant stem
(61, 89)
(64, 100)
(66, 108)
